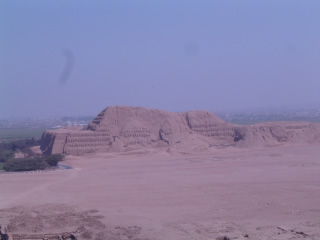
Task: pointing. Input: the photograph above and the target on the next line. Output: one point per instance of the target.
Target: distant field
(7, 134)
(255, 121)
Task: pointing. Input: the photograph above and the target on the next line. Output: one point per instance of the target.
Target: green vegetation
(7, 149)
(5, 154)
(24, 164)
(9, 163)
(31, 164)
(9, 134)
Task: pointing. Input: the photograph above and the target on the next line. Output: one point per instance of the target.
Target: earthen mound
(122, 128)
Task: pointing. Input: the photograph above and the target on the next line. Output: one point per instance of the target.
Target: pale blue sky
(172, 55)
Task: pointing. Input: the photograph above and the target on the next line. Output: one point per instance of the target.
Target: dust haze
(160, 120)
(178, 56)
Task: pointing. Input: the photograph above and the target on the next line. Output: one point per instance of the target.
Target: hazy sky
(77, 57)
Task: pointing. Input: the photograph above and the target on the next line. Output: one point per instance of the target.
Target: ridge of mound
(123, 128)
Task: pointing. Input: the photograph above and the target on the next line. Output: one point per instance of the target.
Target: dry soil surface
(261, 193)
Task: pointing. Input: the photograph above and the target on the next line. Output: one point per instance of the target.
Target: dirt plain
(241, 193)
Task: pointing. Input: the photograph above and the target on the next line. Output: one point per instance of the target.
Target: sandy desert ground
(257, 193)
